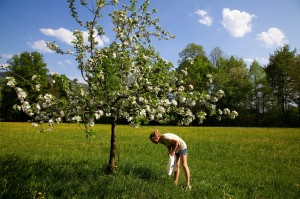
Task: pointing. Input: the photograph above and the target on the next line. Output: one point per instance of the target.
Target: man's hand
(172, 153)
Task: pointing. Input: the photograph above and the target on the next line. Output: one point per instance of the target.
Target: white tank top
(170, 136)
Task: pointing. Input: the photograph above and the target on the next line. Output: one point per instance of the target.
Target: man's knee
(176, 167)
(185, 166)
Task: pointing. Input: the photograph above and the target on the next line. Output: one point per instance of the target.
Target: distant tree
(215, 55)
(262, 97)
(26, 68)
(233, 77)
(295, 71)
(197, 65)
(190, 52)
(278, 74)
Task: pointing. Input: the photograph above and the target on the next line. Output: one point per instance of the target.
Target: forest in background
(262, 95)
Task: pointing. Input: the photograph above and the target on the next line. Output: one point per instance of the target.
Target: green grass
(224, 163)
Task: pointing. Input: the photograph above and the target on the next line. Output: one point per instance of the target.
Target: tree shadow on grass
(27, 178)
(141, 171)
(22, 177)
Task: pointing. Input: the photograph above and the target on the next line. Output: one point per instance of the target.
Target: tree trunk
(112, 158)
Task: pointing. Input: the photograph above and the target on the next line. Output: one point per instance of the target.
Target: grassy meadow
(224, 163)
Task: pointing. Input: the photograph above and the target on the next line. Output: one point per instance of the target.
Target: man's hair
(153, 134)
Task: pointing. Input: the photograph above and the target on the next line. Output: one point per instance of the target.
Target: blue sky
(248, 29)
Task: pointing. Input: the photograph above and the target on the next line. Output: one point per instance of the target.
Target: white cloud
(272, 38)
(101, 40)
(40, 46)
(205, 18)
(4, 58)
(66, 36)
(237, 23)
(7, 56)
(3, 65)
(261, 60)
(62, 34)
(66, 61)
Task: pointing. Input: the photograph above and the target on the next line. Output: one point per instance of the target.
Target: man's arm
(174, 146)
(169, 148)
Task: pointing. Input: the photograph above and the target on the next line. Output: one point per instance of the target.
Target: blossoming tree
(128, 79)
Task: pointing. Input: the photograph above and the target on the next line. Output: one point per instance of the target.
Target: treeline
(262, 95)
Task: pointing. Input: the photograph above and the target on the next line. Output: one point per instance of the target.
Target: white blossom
(182, 99)
(151, 117)
(82, 92)
(220, 112)
(17, 107)
(77, 118)
(38, 107)
(184, 72)
(58, 120)
(220, 93)
(226, 111)
(166, 102)
(69, 52)
(233, 114)
(98, 114)
(214, 99)
(190, 60)
(209, 76)
(156, 89)
(191, 102)
(159, 116)
(207, 97)
(21, 93)
(54, 74)
(50, 122)
(34, 124)
(11, 82)
(148, 109)
(143, 113)
(174, 102)
(37, 87)
(91, 122)
(141, 99)
(26, 106)
(161, 109)
(34, 77)
(181, 89)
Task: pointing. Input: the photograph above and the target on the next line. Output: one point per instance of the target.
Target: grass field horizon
(225, 162)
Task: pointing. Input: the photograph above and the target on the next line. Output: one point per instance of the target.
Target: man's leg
(177, 169)
(186, 169)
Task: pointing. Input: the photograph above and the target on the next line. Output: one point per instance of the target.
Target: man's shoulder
(169, 135)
